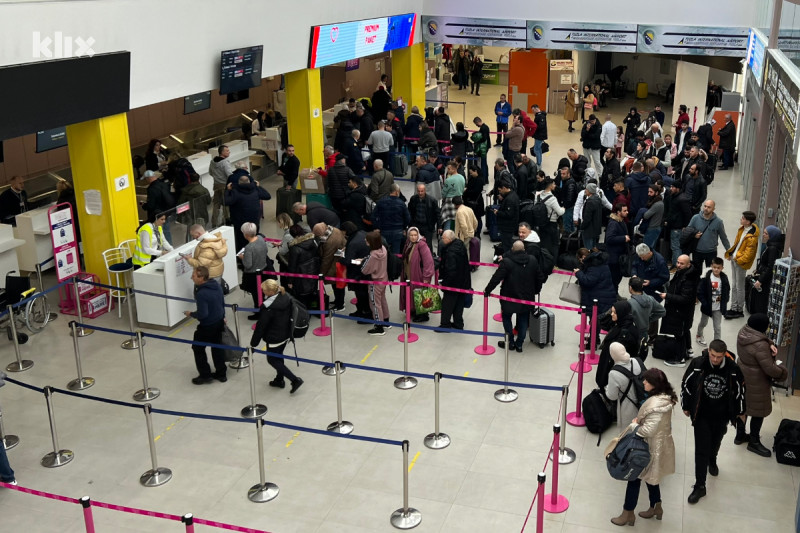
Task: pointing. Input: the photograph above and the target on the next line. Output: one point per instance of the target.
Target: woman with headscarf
(759, 368)
(624, 332)
(772, 242)
(619, 385)
(417, 267)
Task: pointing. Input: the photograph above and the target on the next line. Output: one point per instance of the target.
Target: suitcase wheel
(542, 345)
(552, 343)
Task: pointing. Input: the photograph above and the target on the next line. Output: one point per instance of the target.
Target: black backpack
(540, 215)
(394, 266)
(787, 443)
(299, 320)
(634, 382)
(596, 413)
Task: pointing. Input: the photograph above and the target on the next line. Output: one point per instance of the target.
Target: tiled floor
(483, 482)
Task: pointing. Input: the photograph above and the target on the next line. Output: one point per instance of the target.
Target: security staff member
(150, 242)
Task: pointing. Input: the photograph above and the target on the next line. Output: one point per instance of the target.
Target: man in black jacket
(354, 207)
(338, 177)
(712, 396)
(727, 142)
(579, 164)
(15, 201)
(540, 119)
(590, 140)
(244, 200)
(210, 316)
(424, 212)
(522, 280)
(679, 213)
(290, 167)
(356, 249)
(592, 217)
(454, 272)
(159, 199)
(522, 176)
(679, 300)
(315, 213)
(507, 214)
(441, 125)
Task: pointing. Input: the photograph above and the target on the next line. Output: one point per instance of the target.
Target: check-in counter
(171, 275)
(200, 162)
(240, 152)
(8, 249)
(33, 227)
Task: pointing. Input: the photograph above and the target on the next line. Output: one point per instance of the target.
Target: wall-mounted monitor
(240, 69)
(196, 102)
(51, 139)
(336, 43)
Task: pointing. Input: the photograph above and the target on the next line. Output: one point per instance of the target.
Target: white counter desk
(171, 274)
(8, 249)
(33, 227)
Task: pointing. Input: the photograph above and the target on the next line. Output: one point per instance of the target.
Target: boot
(698, 492)
(656, 511)
(757, 448)
(741, 437)
(627, 518)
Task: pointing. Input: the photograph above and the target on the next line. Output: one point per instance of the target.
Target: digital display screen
(51, 139)
(196, 102)
(756, 51)
(337, 43)
(240, 69)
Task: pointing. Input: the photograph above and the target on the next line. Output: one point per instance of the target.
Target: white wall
(175, 45)
(583, 62)
(691, 86)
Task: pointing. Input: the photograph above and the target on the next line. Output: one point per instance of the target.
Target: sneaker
(254, 316)
(338, 309)
(420, 318)
(501, 344)
(222, 378)
(519, 349)
(680, 363)
(700, 340)
(200, 380)
(377, 330)
(13, 483)
(689, 352)
(698, 492)
(295, 385)
(387, 326)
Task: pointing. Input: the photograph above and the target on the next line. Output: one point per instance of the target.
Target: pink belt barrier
(39, 493)
(506, 298)
(342, 280)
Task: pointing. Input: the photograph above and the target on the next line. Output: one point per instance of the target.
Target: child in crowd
(713, 293)
(619, 142)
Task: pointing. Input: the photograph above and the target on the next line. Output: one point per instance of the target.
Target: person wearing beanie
(772, 249)
(759, 368)
(619, 385)
(623, 332)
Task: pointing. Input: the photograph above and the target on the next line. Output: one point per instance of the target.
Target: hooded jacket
(338, 177)
(637, 184)
(746, 255)
(304, 259)
(594, 278)
(220, 168)
(624, 332)
(243, 201)
(522, 279)
(458, 142)
(441, 127)
(274, 321)
(209, 252)
(645, 309)
(427, 173)
(759, 368)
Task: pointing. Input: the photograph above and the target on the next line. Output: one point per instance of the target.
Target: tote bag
(427, 300)
(570, 292)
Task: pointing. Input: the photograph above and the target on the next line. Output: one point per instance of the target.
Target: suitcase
(475, 250)
(542, 327)
(320, 198)
(399, 165)
(284, 199)
(667, 346)
(641, 90)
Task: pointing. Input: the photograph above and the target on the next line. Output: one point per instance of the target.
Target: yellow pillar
(304, 117)
(100, 156)
(408, 75)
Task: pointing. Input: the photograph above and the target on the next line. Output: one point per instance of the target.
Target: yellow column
(100, 156)
(304, 117)
(408, 75)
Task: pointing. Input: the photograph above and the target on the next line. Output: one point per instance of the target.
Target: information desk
(8, 249)
(171, 275)
(33, 227)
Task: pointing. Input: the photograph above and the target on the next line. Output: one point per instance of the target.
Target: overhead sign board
(474, 31)
(756, 53)
(598, 37)
(692, 40)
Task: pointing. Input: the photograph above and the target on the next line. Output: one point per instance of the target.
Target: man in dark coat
(315, 213)
(637, 183)
(727, 142)
(424, 212)
(679, 301)
(507, 214)
(679, 213)
(579, 164)
(522, 176)
(244, 200)
(540, 119)
(441, 126)
(338, 178)
(454, 272)
(522, 280)
(391, 217)
(590, 140)
(356, 248)
(592, 217)
(354, 207)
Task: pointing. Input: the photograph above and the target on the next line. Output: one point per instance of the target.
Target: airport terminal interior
(484, 481)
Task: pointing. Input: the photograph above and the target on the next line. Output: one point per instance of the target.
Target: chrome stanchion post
(50, 315)
(332, 369)
(243, 361)
(505, 394)
(405, 382)
(340, 426)
(147, 393)
(81, 382)
(254, 410)
(157, 475)
(57, 457)
(263, 492)
(88, 517)
(82, 332)
(8, 441)
(20, 365)
(437, 440)
(405, 517)
(133, 342)
(565, 455)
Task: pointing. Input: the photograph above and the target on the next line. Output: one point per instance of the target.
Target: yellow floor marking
(292, 439)
(475, 360)
(157, 437)
(369, 353)
(466, 373)
(414, 460)
(189, 323)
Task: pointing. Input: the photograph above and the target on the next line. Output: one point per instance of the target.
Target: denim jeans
(522, 328)
(589, 242)
(6, 473)
(537, 150)
(651, 237)
(675, 244)
(569, 225)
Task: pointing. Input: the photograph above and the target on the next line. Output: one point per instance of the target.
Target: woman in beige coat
(655, 425)
(573, 105)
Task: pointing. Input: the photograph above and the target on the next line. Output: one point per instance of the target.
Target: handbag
(626, 262)
(545, 147)
(588, 105)
(229, 339)
(627, 455)
(427, 300)
(570, 292)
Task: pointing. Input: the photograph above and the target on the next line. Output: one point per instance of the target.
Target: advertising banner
(65, 247)
(692, 40)
(474, 31)
(598, 37)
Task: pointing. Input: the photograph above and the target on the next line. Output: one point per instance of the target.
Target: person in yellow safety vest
(150, 242)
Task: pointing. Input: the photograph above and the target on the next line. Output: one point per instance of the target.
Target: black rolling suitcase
(399, 165)
(542, 327)
(284, 199)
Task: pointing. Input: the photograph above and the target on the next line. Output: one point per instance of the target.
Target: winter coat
(704, 292)
(441, 128)
(357, 248)
(637, 184)
(317, 212)
(679, 211)
(692, 386)
(771, 253)
(655, 425)
(521, 279)
(592, 217)
(645, 309)
(590, 138)
(466, 224)
(427, 173)
(616, 245)
(624, 332)
(159, 198)
(458, 142)
(417, 265)
(210, 303)
(274, 322)
(569, 192)
(427, 140)
(199, 202)
(654, 270)
(594, 278)
(427, 208)
(727, 136)
(338, 177)
(615, 391)
(411, 128)
(747, 251)
(540, 119)
(209, 252)
(354, 206)
(609, 174)
(759, 369)
(381, 184)
(571, 111)
(304, 259)
(391, 214)
(508, 214)
(243, 201)
(327, 251)
(680, 300)
(454, 270)
(578, 168)
(522, 176)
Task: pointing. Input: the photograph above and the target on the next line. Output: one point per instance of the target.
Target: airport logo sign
(63, 46)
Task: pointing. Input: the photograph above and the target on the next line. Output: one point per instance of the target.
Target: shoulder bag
(570, 292)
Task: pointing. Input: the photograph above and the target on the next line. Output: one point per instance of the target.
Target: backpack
(596, 413)
(299, 320)
(541, 215)
(369, 205)
(628, 456)
(634, 382)
(394, 266)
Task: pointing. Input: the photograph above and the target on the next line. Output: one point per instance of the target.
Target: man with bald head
(710, 231)
(679, 300)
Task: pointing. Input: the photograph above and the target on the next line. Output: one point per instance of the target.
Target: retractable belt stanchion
(50, 315)
(484, 348)
(405, 382)
(340, 426)
(555, 502)
(88, 517)
(57, 457)
(80, 383)
(146, 393)
(541, 478)
(581, 366)
(407, 335)
(405, 517)
(254, 410)
(264, 491)
(593, 358)
(243, 361)
(133, 342)
(82, 332)
(20, 365)
(505, 394)
(576, 418)
(322, 330)
(8, 441)
(332, 369)
(157, 475)
(565, 455)
(188, 521)
(436, 440)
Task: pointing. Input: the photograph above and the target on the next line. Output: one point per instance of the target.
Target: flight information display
(240, 69)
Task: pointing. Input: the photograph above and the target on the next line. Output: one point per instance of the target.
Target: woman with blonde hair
(274, 327)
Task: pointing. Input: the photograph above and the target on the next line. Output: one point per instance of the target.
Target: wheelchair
(34, 313)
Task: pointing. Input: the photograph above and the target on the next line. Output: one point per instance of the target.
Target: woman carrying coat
(654, 423)
(573, 104)
(623, 331)
(759, 368)
(417, 267)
